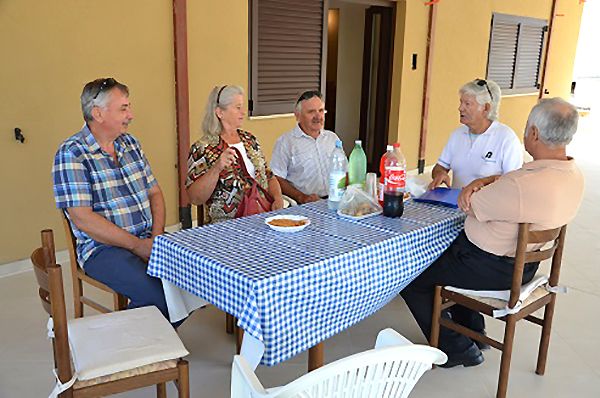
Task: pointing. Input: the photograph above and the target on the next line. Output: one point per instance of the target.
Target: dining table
(292, 291)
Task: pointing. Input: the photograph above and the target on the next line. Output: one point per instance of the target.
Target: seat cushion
(498, 298)
(499, 303)
(142, 370)
(118, 341)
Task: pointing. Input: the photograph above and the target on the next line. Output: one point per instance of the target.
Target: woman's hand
(277, 203)
(226, 159)
(201, 189)
(275, 191)
(313, 197)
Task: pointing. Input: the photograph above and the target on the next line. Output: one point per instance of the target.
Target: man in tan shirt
(545, 192)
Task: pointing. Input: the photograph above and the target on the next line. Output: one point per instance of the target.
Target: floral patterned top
(222, 204)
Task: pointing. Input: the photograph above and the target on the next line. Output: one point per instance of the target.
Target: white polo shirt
(494, 152)
(303, 160)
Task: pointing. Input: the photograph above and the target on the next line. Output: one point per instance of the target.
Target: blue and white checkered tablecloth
(292, 291)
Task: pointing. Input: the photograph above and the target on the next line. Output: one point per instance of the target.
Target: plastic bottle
(357, 167)
(389, 149)
(338, 167)
(395, 183)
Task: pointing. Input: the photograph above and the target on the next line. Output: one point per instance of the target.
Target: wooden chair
(391, 369)
(518, 305)
(201, 214)
(96, 356)
(201, 219)
(78, 275)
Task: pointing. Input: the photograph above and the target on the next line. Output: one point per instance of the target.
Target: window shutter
(503, 53)
(286, 53)
(529, 56)
(515, 54)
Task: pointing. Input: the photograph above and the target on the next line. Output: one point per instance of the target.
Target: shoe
(472, 356)
(482, 346)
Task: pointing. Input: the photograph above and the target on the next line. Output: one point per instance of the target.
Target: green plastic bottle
(357, 165)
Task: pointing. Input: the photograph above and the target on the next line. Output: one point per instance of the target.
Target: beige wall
(218, 54)
(51, 49)
(49, 54)
(460, 54)
(407, 84)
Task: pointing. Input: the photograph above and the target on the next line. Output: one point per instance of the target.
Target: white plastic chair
(391, 369)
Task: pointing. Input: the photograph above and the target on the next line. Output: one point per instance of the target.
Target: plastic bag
(356, 203)
(417, 184)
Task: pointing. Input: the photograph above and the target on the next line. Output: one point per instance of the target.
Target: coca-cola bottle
(394, 183)
(389, 149)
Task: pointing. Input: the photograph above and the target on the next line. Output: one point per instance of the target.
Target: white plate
(289, 217)
(358, 217)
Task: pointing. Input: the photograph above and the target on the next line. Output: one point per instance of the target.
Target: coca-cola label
(395, 178)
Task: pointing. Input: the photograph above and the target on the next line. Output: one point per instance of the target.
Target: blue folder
(441, 196)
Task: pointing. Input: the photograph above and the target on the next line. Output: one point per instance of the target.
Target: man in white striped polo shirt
(300, 158)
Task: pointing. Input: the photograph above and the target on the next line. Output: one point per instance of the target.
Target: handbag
(256, 199)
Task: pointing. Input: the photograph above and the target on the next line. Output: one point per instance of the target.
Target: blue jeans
(125, 273)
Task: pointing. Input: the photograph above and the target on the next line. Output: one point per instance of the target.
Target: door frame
(383, 88)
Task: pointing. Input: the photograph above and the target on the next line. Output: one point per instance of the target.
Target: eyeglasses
(106, 84)
(308, 95)
(219, 94)
(481, 82)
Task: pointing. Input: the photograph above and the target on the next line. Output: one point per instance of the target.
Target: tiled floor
(573, 369)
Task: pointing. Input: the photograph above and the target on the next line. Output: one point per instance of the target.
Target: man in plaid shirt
(103, 182)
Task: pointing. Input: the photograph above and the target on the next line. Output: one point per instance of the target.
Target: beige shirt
(546, 193)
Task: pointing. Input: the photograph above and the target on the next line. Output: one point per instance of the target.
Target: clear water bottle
(338, 167)
(395, 183)
(357, 167)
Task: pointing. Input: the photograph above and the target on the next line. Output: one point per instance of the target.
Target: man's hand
(143, 248)
(309, 198)
(441, 178)
(277, 203)
(464, 198)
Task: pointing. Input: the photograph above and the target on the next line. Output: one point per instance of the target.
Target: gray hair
(555, 119)
(306, 96)
(483, 96)
(97, 93)
(211, 124)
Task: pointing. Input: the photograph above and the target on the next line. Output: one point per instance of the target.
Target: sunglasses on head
(308, 95)
(106, 84)
(481, 82)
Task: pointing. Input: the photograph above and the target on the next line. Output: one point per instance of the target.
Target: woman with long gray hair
(214, 169)
(481, 146)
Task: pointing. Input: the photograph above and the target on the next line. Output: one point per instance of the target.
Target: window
(515, 55)
(286, 53)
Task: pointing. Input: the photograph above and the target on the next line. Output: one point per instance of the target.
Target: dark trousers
(125, 273)
(466, 266)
